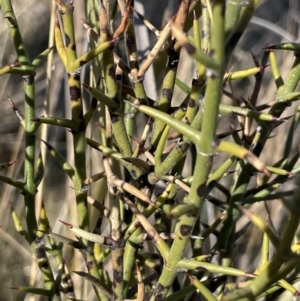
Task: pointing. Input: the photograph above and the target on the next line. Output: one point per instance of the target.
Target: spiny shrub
(149, 239)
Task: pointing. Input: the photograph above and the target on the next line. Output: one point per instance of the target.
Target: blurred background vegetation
(274, 22)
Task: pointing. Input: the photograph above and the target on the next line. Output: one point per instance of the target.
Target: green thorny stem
(77, 113)
(204, 156)
(73, 68)
(112, 83)
(27, 71)
(29, 88)
(173, 53)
